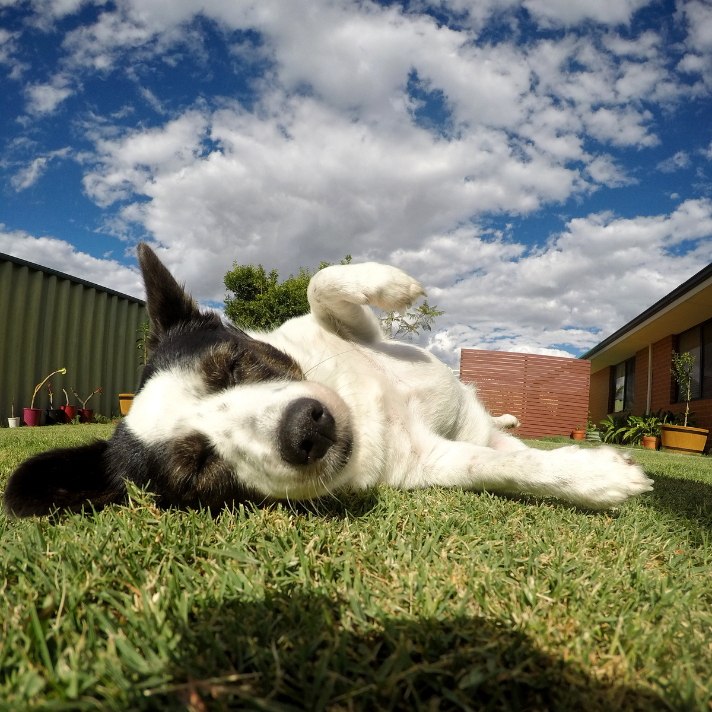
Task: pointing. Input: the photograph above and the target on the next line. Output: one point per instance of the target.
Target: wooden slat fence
(548, 394)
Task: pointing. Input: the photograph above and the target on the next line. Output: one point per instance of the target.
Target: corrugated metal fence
(548, 394)
(50, 320)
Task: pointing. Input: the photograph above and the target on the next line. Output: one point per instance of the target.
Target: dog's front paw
(388, 288)
(606, 477)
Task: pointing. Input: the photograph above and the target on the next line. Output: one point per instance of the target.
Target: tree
(259, 301)
(682, 366)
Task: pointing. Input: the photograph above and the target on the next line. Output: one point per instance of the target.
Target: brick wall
(640, 397)
(599, 394)
(663, 383)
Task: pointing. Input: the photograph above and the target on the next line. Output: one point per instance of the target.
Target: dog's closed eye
(221, 367)
(232, 363)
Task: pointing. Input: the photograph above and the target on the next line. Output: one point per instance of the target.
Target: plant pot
(70, 412)
(32, 416)
(14, 422)
(678, 438)
(54, 416)
(86, 415)
(125, 400)
(650, 441)
(579, 435)
(593, 436)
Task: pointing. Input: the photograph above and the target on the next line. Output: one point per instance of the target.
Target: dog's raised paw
(389, 288)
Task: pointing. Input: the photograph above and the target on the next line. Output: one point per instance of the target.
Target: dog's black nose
(306, 432)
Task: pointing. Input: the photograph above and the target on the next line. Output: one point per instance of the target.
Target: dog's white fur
(413, 424)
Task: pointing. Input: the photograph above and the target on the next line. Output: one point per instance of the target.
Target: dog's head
(219, 417)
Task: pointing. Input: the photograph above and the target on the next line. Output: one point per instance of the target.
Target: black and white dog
(322, 403)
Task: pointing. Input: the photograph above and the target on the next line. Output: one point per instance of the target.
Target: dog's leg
(338, 296)
(595, 478)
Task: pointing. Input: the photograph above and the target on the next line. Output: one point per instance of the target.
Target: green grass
(433, 600)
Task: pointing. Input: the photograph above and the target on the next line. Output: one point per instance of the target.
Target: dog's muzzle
(306, 432)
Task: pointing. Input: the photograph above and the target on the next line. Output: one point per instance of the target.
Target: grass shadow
(296, 652)
(687, 498)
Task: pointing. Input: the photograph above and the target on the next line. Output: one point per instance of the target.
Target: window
(698, 343)
(624, 385)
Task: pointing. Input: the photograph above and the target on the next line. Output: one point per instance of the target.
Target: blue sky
(544, 167)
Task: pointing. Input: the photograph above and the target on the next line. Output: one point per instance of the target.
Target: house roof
(684, 307)
(71, 278)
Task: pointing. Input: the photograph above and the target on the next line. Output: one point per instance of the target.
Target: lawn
(387, 600)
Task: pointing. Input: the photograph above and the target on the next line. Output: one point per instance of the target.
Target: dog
(323, 403)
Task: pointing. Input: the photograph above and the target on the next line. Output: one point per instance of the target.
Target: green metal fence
(50, 320)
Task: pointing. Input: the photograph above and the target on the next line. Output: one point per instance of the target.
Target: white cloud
(674, 163)
(31, 173)
(603, 169)
(45, 98)
(63, 257)
(567, 13)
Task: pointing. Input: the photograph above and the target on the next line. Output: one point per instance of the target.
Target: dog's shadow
(295, 651)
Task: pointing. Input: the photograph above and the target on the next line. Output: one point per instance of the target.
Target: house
(51, 320)
(630, 370)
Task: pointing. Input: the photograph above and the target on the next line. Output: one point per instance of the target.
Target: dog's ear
(69, 479)
(166, 301)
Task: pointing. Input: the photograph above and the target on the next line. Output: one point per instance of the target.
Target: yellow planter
(125, 400)
(678, 438)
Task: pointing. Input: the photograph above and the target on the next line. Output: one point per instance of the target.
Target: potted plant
(13, 421)
(644, 430)
(142, 344)
(86, 415)
(125, 400)
(579, 433)
(53, 416)
(592, 434)
(32, 415)
(613, 427)
(70, 411)
(683, 438)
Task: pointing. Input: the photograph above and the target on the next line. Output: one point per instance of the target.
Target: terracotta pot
(86, 415)
(650, 441)
(70, 412)
(32, 416)
(14, 422)
(125, 400)
(579, 434)
(678, 438)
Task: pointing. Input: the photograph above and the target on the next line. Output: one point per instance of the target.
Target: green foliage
(682, 365)
(142, 343)
(613, 427)
(632, 428)
(383, 600)
(397, 326)
(260, 301)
